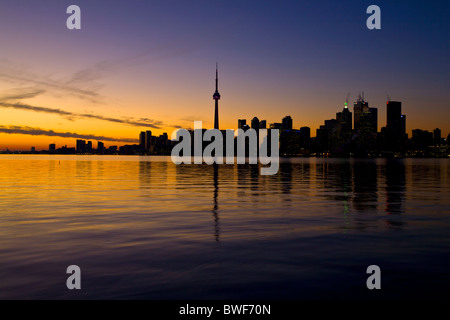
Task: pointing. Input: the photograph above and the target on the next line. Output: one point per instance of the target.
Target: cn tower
(216, 97)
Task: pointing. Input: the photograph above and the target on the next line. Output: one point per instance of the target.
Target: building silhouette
(242, 123)
(216, 97)
(395, 126)
(358, 108)
(286, 123)
(255, 123)
(345, 131)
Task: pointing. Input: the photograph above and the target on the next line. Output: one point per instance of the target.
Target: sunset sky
(150, 65)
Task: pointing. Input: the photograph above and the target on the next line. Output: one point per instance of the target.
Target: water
(144, 228)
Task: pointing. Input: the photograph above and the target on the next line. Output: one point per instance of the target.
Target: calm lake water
(144, 228)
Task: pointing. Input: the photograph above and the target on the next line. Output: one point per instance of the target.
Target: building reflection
(216, 203)
(365, 188)
(145, 169)
(286, 178)
(395, 191)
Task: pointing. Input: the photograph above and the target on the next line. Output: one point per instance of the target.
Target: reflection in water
(395, 186)
(286, 178)
(216, 203)
(365, 185)
(150, 225)
(395, 192)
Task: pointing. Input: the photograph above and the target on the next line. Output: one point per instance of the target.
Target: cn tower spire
(217, 78)
(216, 97)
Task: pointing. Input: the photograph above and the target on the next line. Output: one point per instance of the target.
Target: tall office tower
(52, 147)
(255, 123)
(148, 140)
(263, 124)
(286, 123)
(344, 119)
(358, 108)
(142, 140)
(89, 146)
(81, 146)
(216, 97)
(437, 134)
(305, 136)
(241, 123)
(395, 125)
(373, 119)
(100, 147)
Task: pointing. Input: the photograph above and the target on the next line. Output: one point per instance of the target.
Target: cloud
(51, 133)
(143, 122)
(83, 83)
(22, 93)
(15, 73)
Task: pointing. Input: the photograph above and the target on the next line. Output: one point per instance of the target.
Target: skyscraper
(81, 146)
(100, 147)
(344, 119)
(216, 97)
(241, 123)
(148, 140)
(287, 123)
(358, 108)
(255, 123)
(142, 140)
(396, 125)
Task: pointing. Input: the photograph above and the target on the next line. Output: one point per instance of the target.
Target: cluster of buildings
(338, 137)
(350, 134)
(356, 134)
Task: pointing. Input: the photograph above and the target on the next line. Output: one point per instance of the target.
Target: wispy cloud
(149, 123)
(21, 93)
(19, 74)
(51, 133)
(84, 83)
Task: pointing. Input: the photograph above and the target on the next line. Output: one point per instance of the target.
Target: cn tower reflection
(216, 204)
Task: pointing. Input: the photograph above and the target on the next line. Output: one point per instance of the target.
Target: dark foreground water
(141, 227)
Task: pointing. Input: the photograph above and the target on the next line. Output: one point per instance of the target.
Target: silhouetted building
(52, 147)
(81, 146)
(89, 147)
(112, 150)
(242, 123)
(395, 126)
(421, 140)
(148, 140)
(286, 123)
(326, 136)
(276, 125)
(255, 123)
(344, 120)
(263, 124)
(306, 133)
(290, 142)
(142, 140)
(100, 147)
(437, 136)
(358, 108)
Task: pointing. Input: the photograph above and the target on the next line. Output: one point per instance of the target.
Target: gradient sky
(151, 63)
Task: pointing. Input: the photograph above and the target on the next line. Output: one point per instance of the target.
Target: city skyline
(111, 80)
